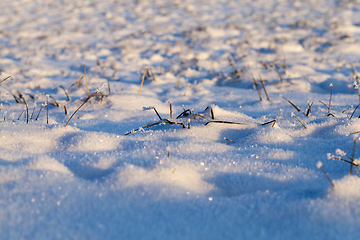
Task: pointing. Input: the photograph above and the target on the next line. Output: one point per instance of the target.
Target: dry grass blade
(178, 123)
(142, 80)
(184, 113)
(354, 111)
(108, 83)
(331, 86)
(17, 99)
(273, 123)
(298, 120)
(171, 111)
(19, 115)
(76, 82)
(345, 110)
(147, 126)
(86, 100)
(157, 123)
(192, 111)
(27, 111)
(232, 63)
(32, 114)
(229, 140)
(297, 108)
(66, 112)
(325, 105)
(55, 102)
(263, 85)
(226, 122)
(157, 113)
(344, 160)
(353, 156)
(86, 82)
(151, 72)
(37, 117)
(5, 79)
(66, 94)
(327, 176)
(308, 110)
(47, 109)
(278, 72)
(257, 88)
(354, 133)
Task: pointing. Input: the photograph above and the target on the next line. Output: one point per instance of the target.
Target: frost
(319, 164)
(340, 152)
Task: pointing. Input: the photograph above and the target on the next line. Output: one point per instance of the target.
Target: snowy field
(222, 164)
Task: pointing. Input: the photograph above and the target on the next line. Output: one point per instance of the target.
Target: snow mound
(178, 180)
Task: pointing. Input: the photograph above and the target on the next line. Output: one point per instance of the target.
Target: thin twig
(327, 176)
(5, 79)
(27, 111)
(330, 97)
(354, 110)
(345, 109)
(47, 109)
(19, 115)
(272, 121)
(142, 80)
(226, 122)
(171, 111)
(229, 140)
(86, 100)
(325, 105)
(344, 160)
(157, 113)
(297, 109)
(39, 113)
(298, 120)
(66, 94)
(86, 82)
(308, 110)
(263, 85)
(76, 82)
(257, 88)
(32, 114)
(108, 83)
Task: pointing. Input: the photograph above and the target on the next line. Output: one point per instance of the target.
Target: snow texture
(221, 164)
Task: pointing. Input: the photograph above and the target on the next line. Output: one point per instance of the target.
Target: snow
(220, 167)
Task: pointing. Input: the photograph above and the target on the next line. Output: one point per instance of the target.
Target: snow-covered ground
(108, 175)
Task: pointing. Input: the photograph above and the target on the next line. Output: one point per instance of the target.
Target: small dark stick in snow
(229, 140)
(171, 110)
(257, 88)
(319, 165)
(142, 80)
(66, 112)
(212, 113)
(37, 117)
(189, 123)
(32, 114)
(5, 79)
(293, 115)
(262, 82)
(86, 82)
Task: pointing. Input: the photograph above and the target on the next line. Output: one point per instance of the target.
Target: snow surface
(89, 180)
